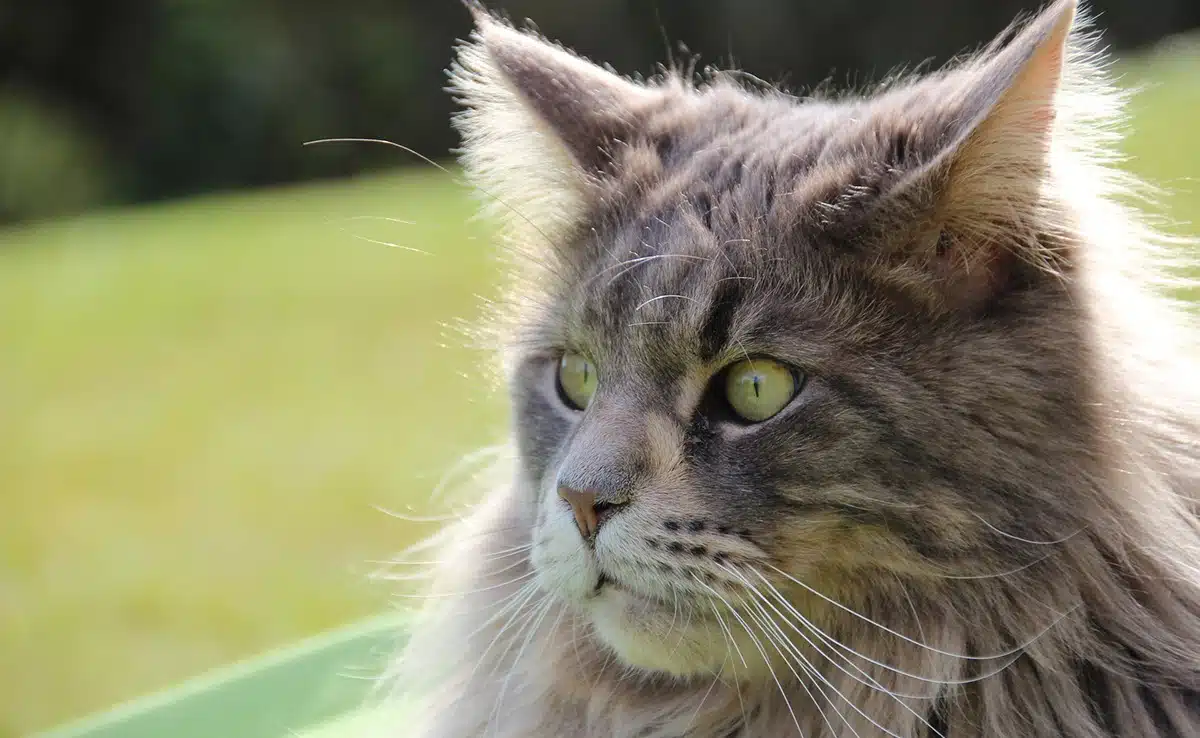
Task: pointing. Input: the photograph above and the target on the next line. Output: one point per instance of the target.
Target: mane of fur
(1115, 653)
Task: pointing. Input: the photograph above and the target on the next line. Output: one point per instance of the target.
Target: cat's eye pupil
(577, 380)
(757, 389)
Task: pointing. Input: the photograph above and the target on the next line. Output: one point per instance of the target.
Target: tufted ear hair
(995, 119)
(539, 124)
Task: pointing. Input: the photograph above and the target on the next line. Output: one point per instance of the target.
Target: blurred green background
(215, 371)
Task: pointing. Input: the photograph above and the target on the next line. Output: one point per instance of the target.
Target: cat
(859, 415)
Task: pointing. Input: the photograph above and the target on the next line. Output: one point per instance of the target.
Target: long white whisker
(674, 612)
(516, 600)
(824, 638)
(757, 645)
(481, 454)
(707, 692)
(1014, 651)
(778, 639)
(912, 608)
(1064, 539)
(389, 244)
(492, 556)
(730, 641)
(872, 683)
(443, 518)
(443, 169)
(728, 635)
(532, 631)
(823, 679)
(631, 264)
(448, 595)
(514, 608)
(775, 636)
(663, 297)
(385, 218)
(1009, 572)
(1012, 656)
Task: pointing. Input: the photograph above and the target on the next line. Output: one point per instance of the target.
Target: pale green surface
(274, 695)
(203, 402)
(363, 723)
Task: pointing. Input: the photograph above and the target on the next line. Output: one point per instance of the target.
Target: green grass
(202, 403)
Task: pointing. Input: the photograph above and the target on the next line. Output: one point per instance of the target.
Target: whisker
(492, 556)
(493, 452)
(850, 703)
(531, 591)
(703, 698)
(632, 264)
(777, 638)
(1010, 572)
(401, 577)
(441, 168)
(1013, 651)
(1012, 656)
(1064, 539)
(448, 595)
(762, 652)
(663, 297)
(532, 631)
(730, 641)
(380, 217)
(728, 634)
(912, 608)
(872, 683)
(445, 518)
(389, 244)
(674, 612)
(811, 668)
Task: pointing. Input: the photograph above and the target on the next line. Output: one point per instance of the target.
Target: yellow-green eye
(577, 380)
(759, 388)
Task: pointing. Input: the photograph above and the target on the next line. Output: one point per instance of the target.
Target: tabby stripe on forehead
(714, 331)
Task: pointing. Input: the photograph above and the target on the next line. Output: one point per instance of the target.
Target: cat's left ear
(1001, 114)
(539, 124)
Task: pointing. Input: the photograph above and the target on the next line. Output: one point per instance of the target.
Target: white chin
(651, 635)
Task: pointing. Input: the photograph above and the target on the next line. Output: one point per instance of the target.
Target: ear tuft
(539, 124)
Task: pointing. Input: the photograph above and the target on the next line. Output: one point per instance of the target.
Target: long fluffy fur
(1113, 650)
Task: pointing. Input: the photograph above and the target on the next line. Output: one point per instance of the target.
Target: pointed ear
(986, 187)
(1012, 98)
(539, 124)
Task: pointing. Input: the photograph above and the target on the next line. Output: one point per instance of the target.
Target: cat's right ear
(539, 124)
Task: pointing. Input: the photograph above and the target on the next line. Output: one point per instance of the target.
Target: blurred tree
(171, 97)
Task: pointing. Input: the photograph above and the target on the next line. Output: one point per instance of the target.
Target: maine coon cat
(836, 416)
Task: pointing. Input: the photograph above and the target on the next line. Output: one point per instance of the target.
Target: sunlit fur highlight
(1108, 646)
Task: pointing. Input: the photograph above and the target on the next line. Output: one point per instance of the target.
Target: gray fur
(978, 518)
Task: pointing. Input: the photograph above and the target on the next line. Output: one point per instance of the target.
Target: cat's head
(765, 344)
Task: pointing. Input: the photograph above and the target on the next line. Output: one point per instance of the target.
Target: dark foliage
(194, 95)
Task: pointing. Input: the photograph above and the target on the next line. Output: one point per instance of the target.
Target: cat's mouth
(602, 581)
(608, 583)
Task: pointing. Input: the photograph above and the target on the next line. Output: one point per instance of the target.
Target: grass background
(203, 404)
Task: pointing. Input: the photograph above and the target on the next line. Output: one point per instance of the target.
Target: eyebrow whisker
(663, 297)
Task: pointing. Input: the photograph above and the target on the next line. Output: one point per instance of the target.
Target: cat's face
(779, 349)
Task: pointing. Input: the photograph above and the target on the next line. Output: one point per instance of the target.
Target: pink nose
(583, 504)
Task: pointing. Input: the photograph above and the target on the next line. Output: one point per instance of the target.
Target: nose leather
(583, 504)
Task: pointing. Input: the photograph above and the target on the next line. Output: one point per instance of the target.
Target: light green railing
(303, 690)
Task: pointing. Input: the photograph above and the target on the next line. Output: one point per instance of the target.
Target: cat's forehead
(734, 237)
(682, 287)
(719, 140)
